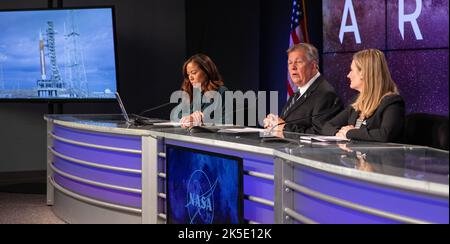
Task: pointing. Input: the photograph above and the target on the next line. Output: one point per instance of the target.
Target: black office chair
(427, 130)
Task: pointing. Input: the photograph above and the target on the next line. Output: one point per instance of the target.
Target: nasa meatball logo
(200, 198)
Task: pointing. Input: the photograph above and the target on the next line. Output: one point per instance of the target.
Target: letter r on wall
(402, 18)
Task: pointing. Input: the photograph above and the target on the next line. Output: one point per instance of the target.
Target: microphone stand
(305, 117)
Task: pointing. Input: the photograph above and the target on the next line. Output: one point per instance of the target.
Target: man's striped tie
(293, 100)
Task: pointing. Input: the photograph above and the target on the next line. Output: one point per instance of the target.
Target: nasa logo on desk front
(200, 198)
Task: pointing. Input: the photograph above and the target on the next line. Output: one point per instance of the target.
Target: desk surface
(404, 166)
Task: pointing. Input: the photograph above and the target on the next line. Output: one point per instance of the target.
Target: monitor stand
(55, 108)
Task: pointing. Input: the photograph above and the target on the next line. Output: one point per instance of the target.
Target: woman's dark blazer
(221, 90)
(385, 125)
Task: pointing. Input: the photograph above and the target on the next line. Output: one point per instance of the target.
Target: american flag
(298, 34)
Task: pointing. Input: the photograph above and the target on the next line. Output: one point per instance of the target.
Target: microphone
(216, 127)
(154, 108)
(141, 120)
(336, 101)
(234, 110)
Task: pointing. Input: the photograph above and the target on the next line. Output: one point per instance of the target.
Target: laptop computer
(135, 119)
(122, 108)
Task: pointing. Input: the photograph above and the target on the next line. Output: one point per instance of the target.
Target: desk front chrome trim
(94, 165)
(93, 201)
(261, 201)
(95, 183)
(431, 188)
(260, 175)
(350, 205)
(298, 217)
(82, 144)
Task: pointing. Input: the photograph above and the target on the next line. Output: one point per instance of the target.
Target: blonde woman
(378, 113)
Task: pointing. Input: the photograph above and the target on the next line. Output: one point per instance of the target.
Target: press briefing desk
(102, 171)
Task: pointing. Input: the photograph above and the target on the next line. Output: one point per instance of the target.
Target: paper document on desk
(324, 138)
(241, 130)
(174, 124)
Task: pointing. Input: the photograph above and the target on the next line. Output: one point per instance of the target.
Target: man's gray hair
(311, 51)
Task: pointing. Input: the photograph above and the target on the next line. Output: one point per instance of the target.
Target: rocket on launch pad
(42, 56)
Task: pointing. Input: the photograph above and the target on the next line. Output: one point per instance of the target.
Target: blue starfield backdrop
(203, 188)
(413, 34)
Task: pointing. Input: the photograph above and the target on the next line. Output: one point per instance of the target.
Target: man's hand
(272, 121)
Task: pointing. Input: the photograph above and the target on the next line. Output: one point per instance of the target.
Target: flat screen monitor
(203, 187)
(58, 54)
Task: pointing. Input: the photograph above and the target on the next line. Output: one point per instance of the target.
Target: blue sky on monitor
(19, 46)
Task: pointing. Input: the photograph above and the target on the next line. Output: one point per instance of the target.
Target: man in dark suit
(315, 101)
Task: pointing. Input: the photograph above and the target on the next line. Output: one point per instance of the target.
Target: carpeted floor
(25, 188)
(25, 204)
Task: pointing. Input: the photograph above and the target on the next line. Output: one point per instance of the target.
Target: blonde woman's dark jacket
(385, 125)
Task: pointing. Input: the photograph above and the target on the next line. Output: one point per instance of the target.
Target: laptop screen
(122, 107)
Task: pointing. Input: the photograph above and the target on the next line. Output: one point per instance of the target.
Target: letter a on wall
(353, 27)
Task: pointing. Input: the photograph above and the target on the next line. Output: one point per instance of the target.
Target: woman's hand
(343, 131)
(195, 119)
(185, 121)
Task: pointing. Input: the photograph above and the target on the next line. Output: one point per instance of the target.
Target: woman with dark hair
(201, 73)
(378, 113)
